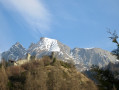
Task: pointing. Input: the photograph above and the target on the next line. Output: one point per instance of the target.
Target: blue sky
(76, 23)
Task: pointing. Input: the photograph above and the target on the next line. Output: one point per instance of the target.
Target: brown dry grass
(44, 75)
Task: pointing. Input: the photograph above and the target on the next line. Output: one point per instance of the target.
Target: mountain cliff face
(16, 52)
(91, 56)
(83, 58)
(46, 46)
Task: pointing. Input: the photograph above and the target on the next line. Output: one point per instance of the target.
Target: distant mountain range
(82, 57)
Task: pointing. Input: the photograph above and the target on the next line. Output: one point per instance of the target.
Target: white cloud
(33, 11)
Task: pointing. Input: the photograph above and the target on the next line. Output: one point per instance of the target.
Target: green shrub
(65, 64)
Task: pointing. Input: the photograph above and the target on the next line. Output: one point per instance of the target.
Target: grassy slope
(45, 74)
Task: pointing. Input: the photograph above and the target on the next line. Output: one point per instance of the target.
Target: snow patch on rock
(48, 44)
(88, 48)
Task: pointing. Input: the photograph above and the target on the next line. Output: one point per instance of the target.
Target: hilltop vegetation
(44, 74)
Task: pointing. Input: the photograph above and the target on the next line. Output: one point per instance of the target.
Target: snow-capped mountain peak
(82, 57)
(89, 48)
(16, 52)
(48, 44)
(17, 45)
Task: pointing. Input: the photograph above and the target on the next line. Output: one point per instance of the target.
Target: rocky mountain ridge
(82, 58)
(16, 52)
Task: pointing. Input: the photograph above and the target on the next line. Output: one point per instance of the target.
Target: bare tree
(114, 36)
